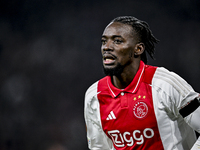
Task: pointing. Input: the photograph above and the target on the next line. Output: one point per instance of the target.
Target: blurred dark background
(50, 54)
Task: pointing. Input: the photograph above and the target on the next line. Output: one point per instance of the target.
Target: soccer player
(138, 106)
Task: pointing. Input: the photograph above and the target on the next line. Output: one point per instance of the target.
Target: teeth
(108, 59)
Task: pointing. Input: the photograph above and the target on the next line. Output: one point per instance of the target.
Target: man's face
(118, 44)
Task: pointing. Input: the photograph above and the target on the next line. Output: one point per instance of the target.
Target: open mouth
(108, 59)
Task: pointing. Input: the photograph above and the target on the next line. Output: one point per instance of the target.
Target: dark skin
(119, 45)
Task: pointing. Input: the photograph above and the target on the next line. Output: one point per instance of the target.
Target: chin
(113, 70)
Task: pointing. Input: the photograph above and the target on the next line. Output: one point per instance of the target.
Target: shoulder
(92, 90)
(164, 74)
(168, 80)
(171, 90)
(91, 101)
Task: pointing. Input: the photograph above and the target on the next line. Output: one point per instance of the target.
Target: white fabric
(196, 145)
(170, 93)
(194, 120)
(97, 139)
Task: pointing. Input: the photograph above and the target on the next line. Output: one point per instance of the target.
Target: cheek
(127, 53)
(126, 56)
(102, 49)
(131, 54)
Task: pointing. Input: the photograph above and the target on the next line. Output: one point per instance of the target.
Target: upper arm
(175, 92)
(191, 114)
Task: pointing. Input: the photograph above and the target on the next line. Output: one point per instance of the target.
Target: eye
(103, 41)
(118, 41)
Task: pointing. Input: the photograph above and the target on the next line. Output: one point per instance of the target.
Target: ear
(139, 48)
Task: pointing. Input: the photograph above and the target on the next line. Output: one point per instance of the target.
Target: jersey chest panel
(129, 119)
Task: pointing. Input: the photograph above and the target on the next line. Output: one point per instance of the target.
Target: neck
(126, 77)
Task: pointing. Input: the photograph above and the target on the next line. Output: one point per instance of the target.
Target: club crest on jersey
(140, 110)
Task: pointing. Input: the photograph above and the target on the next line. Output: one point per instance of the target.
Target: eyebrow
(113, 36)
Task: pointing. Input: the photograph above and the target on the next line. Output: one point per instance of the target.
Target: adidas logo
(111, 116)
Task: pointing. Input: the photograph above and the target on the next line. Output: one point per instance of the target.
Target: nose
(108, 46)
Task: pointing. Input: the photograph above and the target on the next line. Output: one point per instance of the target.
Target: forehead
(118, 29)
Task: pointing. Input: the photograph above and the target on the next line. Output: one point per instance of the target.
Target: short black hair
(143, 34)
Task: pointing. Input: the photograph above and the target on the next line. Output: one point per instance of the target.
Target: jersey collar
(132, 87)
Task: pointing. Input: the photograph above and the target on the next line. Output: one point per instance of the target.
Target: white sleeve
(97, 139)
(196, 145)
(194, 120)
(176, 93)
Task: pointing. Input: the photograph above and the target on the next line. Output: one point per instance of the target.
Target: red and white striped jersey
(144, 115)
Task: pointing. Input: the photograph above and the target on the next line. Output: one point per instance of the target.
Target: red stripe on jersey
(128, 117)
